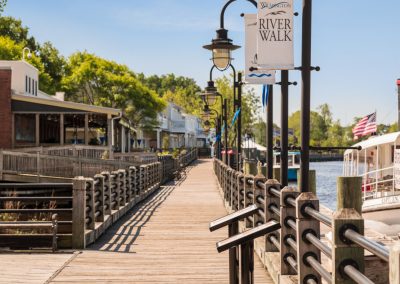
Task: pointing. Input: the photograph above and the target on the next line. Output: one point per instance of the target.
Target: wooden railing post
(306, 224)
(288, 213)
(107, 193)
(122, 187)
(128, 186)
(248, 201)
(115, 190)
(132, 176)
(271, 200)
(349, 193)
(1, 164)
(240, 179)
(348, 215)
(343, 251)
(142, 180)
(79, 213)
(90, 205)
(394, 264)
(235, 191)
(99, 197)
(258, 194)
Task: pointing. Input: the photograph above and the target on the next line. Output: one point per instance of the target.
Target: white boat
(376, 163)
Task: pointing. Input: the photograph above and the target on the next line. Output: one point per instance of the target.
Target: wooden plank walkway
(165, 240)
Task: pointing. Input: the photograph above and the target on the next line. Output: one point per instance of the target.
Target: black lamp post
(217, 123)
(222, 47)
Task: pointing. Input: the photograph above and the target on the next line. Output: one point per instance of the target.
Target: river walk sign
(275, 35)
(263, 77)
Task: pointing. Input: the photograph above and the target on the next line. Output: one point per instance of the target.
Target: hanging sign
(397, 168)
(275, 35)
(262, 77)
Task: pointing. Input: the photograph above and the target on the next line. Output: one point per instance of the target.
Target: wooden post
(122, 187)
(349, 193)
(276, 173)
(240, 179)
(312, 181)
(288, 212)
(394, 264)
(62, 138)
(344, 252)
(79, 213)
(13, 130)
(1, 164)
(86, 129)
(38, 166)
(115, 190)
(99, 196)
(107, 193)
(247, 200)
(269, 214)
(250, 167)
(306, 224)
(37, 129)
(90, 213)
(132, 176)
(257, 194)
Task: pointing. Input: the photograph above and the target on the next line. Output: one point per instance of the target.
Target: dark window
(26, 84)
(25, 126)
(49, 129)
(36, 88)
(29, 89)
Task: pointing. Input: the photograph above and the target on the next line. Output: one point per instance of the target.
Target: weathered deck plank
(165, 240)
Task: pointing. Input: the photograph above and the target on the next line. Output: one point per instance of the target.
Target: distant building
(29, 117)
(179, 129)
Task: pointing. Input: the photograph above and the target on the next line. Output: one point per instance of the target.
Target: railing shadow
(121, 237)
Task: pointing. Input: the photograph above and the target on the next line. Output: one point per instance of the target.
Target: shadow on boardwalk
(121, 237)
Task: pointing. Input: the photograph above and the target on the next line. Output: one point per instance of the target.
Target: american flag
(365, 126)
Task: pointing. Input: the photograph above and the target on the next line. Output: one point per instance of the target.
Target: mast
(398, 105)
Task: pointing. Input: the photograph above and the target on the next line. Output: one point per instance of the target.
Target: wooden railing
(91, 152)
(298, 242)
(85, 208)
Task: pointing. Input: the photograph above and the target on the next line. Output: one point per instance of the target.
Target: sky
(356, 43)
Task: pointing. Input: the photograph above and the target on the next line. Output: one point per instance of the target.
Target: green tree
(3, 4)
(53, 62)
(10, 50)
(94, 80)
(250, 106)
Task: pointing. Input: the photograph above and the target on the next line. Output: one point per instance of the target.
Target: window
(26, 84)
(29, 88)
(36, 87)
(25, 126)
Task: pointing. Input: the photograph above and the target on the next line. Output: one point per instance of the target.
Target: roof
(65, 104)
(376, 140)
(252, 144)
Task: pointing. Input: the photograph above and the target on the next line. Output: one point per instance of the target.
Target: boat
(378, 163)
(293, 163)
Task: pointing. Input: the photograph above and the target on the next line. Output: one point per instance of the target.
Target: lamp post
(24, 51)
(209, 97)
(222, 47)
(217, 123)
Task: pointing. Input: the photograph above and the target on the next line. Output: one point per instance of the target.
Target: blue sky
(355, 42)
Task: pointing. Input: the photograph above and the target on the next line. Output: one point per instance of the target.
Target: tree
(10, 50)
(3, 4)
(94, 80)
(53, 62)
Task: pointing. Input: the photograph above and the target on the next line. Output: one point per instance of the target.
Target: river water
(327, 173)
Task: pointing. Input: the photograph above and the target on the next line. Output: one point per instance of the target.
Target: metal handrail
(316, 265)
(356, 275)
(371, 246)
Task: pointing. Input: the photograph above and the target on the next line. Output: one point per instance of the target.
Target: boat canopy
(377, 140)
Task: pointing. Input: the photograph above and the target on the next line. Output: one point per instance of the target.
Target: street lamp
(221, 48)
(217, 123)
(24, 51)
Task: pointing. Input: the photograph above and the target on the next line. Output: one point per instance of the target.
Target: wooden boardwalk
(164, 240)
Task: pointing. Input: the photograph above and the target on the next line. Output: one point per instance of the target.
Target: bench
(32, 240)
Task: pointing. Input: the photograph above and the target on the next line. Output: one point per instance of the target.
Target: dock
(165, 239)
